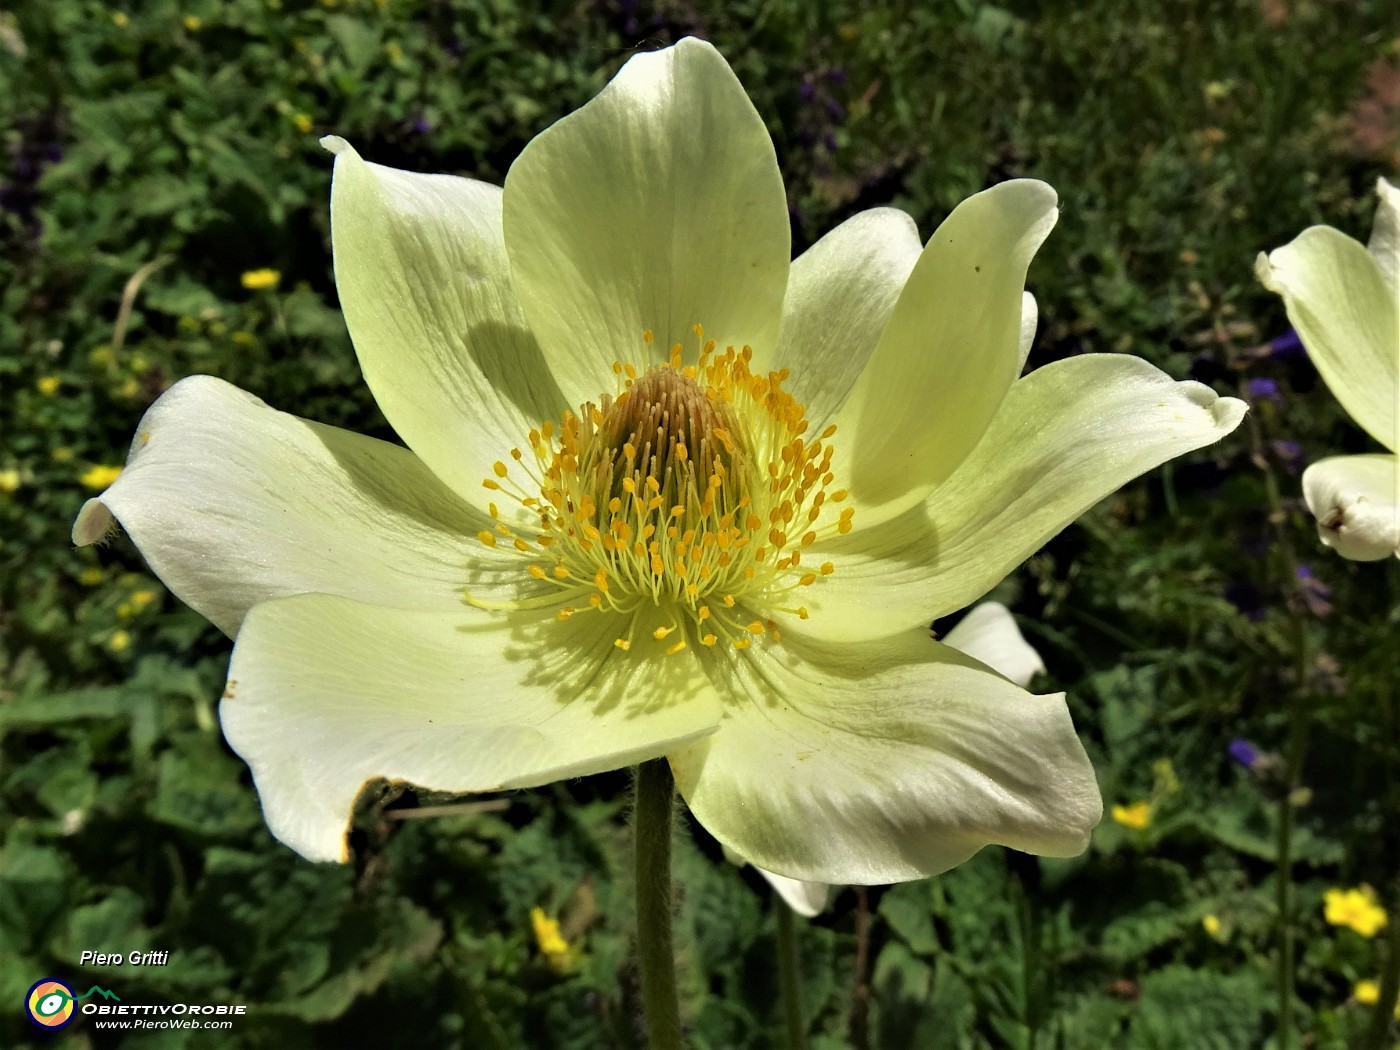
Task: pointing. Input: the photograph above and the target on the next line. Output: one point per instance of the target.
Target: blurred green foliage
(1193, 608)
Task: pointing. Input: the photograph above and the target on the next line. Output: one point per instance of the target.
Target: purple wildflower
(1245, 753)
(1286, 345)
(1263, 389)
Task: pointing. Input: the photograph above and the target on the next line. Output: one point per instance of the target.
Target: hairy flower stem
(653, 804)
(1377, 1033)
(790, 978)
(1296, 708)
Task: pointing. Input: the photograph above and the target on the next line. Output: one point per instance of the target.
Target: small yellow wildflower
(129, 389)
(62, 454)
(303, 122)
(120, 642)
(1136, 815)
(1166, 779)
(136, 604)
(244, 338)
(119, 19)
(1367, 993)
(97, 477)
(551, 942)
(1211, 923)
(193, 23)
(101, 355)
(9, 480)
(1356, 909)
(256, 280)
(394, 51)
(91, 576)
(48, 385)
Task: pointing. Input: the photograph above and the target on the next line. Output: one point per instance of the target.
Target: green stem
(1377, 1034)
(1285, 923)
(789, 977)
(653, 803)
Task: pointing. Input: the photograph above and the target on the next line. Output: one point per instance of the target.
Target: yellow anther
(647, 336)
(489, 484)
(661, 632)
(741, 643)
(709, 639)
(703, 612)
(755, 628)
(672, 650)
(566, 612)
(486, 538)
(802, 613)
(622, 643)
(600, 580)
(728, 601)
(560, 572)
(535, 571)
(809, 579)
(499, 468)
(827, 568)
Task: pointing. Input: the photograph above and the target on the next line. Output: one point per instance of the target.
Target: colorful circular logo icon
(50, 1003)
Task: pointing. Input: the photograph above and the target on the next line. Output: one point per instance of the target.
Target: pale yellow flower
(667, 492)
(119, 642)
(1211, 924)
(192, 23)
(256, 280)
(1344, 300)
(48, 385)
(303, 122)
(9, 480)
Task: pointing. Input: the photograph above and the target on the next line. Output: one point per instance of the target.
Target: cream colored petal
(1355, 502)
(1348, 317)
(881, 762)
(1030, 315)
(325, 695)
(421, 268)
(947, 356)
(840, 294)
(806, 898)
(232, 503)
(988, 633)
(656, 206)
(1068, 435)
(1384, 245)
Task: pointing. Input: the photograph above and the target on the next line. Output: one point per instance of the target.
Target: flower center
(691, 491)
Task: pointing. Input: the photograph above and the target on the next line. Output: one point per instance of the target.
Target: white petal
(1348, 317)
(1384, 245)
(839, 296)
(1067, 435)
(805, 898)
(882, 762)
(421, 268)
(657, 206)
(989, 633)
(232, 502)
(948, 354)
(808, 899)
(326, 694)
(1355, 502)
(1030, 315)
